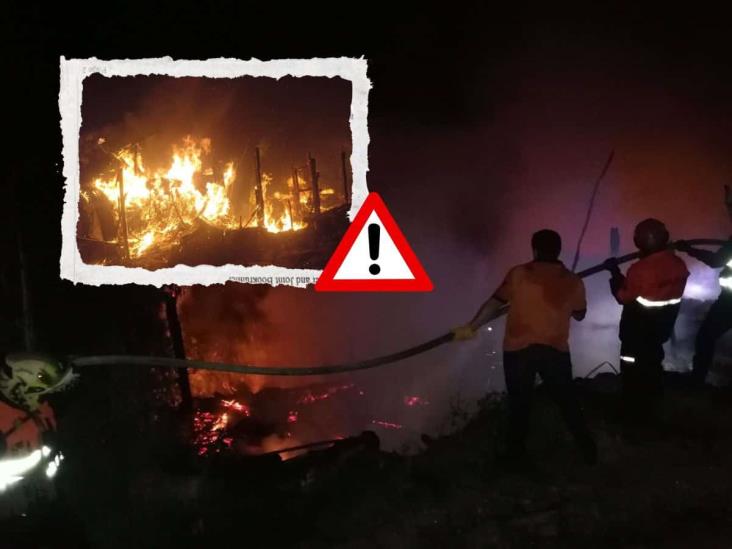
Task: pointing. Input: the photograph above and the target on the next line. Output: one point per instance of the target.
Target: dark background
(485, 125)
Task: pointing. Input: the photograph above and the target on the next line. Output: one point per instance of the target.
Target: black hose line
(165, 362)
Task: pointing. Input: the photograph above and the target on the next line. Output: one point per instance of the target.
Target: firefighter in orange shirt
(650, 294)
(543, 296)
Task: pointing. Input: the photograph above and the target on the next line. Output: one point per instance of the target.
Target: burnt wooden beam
(259, 193)
(176, 340)
(346, 189)
(123, 214)
(314, 176)
(296, 192)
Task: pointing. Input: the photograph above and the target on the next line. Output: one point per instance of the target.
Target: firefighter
(719, 318)
(26, 457)
(650, 294)
(543, 296)
(25, 378)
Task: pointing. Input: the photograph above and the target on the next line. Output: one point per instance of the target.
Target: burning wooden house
(195, 209)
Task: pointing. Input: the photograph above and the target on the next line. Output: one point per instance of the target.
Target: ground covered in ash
(672, 488)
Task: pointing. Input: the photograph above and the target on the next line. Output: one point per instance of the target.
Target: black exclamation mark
(374, 234)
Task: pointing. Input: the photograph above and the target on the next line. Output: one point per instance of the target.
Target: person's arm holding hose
(617, 280)
(488, 311)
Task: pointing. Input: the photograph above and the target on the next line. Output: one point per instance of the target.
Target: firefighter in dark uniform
(719, 318)
(650, 294)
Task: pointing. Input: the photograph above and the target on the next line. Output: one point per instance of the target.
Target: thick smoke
(469, 195)
(532, 136)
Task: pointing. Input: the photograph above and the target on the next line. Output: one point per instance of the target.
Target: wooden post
(289, 211)
(179, 351)
(346, 190)
(259, 194)
(296, 192)
(314, 176)
(614, 242)
(123, 214)
(29, 338)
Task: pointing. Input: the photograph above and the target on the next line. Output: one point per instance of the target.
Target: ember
(238, 406)
(386, 424)
(208, 429)
(415, 401)
(311, 397)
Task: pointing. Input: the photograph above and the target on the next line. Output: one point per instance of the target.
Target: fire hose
(166, 362)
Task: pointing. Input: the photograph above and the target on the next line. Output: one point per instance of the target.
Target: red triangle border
(327, 283)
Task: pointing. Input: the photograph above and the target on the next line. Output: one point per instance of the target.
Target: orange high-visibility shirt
(657, 278)
(542, 297)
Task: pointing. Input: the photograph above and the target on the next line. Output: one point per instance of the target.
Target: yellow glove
(463, 333)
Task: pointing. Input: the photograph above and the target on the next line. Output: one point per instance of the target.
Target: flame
(282, 212)
(208, 430)
(237, 406)
(163, 204)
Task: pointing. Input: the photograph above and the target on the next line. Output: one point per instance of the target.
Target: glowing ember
(311, 397)
(236, 406)
(386, 424)
(207, 431)
(292, 416)
(415, 401)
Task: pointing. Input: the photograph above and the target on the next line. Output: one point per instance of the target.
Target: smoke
(532, 134)
(287, 119)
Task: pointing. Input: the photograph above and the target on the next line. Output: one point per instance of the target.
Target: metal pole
(591, 205)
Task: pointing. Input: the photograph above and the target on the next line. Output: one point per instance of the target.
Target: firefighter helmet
(25, 377)
(650, 236)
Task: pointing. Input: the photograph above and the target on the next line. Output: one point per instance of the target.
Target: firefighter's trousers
(641, 366)
(555, 369)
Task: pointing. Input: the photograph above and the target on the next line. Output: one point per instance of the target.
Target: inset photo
(249, 174)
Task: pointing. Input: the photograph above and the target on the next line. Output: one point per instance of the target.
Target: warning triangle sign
(373, 256)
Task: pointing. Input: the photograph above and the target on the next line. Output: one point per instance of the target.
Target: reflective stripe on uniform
(627, 359)
(726, 282)
(649, 303)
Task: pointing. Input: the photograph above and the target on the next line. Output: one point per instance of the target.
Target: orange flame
(163, 204)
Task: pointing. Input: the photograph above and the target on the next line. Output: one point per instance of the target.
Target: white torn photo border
(73, 73)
